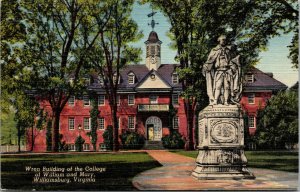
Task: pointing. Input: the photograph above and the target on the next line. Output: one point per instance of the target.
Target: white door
(154, 122)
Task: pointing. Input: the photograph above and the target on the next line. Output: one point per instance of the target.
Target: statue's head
(222, 40)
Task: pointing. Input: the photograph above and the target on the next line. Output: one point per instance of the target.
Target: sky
(273, 60)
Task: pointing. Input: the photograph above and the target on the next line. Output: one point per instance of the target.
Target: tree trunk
(55, 130)
(188, 114)
(115, 129)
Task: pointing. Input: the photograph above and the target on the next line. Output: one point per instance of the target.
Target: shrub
(78, 143)
(132, 140)
(173, 141)
(108, 137)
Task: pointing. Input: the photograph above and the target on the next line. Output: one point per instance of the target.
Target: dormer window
(115, 78)
(131, 78)
(87, 81)
(175, 79)
(249, 78)
(100, 80)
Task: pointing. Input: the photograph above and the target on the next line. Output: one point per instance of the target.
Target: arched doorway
(154, 128)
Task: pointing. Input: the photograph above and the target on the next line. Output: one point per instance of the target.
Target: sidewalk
(175, 174)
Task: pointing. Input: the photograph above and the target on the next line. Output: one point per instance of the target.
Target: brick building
(144, 97)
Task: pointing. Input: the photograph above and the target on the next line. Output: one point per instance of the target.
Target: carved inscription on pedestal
(223, 131)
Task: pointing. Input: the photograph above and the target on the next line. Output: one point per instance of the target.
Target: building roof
(263, 81)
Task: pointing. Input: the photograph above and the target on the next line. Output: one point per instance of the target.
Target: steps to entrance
(153, 145)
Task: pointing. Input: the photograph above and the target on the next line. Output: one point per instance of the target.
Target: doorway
(154, 128)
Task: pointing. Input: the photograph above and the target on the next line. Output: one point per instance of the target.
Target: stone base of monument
(221, 141)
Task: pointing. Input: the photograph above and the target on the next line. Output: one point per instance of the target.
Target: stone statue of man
(223, 74)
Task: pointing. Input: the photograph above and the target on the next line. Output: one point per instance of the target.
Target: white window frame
(251, 121)
(71, 103)
(71, 147)
(89, 123)
(84, 147)
(100, 80)
(153, 101)
(131, 78)
(249, 78)
(130, 123)
(129, 99)
(69, 123)
(175, 78)
(176, 122)
(83, 99)
(251, 98)
(175, 99)
(101, 103)
(101, 123)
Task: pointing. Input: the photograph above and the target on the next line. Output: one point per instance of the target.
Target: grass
(120, 168)
(276, 160)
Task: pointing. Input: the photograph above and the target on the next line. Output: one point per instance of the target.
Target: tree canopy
(277, 124)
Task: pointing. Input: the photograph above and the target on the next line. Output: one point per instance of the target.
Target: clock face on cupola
(153, 43)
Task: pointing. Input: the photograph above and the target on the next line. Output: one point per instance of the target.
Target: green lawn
(276, 160)
(120, 168)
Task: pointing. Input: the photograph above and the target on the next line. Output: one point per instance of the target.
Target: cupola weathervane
(153, 23)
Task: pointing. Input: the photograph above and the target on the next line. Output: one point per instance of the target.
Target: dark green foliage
(94, 121)
(277, 124)
(173, 141)
(108, 137)
(132, 140)
(62, 144)
(78, 143)
(49, 135)
(172, 114)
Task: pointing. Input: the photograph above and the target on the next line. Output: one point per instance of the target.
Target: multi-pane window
(86, 147)
(131, 122)
(101, 122)
(251, 122)
(251, 98)
(100, 80)
(71, 147)
(71, 101)
(175, 99)
(131, 99)
(175, 122)
(71, 123)
(249, 78)
(101, 100)
(153, 99)
(175, 78)
(86, 123)
(131, 78)
(115, 79)
(86, 100)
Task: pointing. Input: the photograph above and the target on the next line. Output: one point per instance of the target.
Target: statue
(223, 74)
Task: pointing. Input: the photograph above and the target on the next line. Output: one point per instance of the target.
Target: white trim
(251, 96)
(88, 147)
(99, 104)
(133, 99)
(177, 122)
(73, 101)
(131, 78)
(133, 121)
(83, 97)
(156, 99)
(71, 144)
(89, 128)
(254, 121)
(177, 78)
(177, 99)
(69, 123)
(103, 123)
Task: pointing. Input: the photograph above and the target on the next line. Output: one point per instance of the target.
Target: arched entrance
(154, 128)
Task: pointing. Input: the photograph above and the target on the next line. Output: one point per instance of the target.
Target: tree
(58, 37)
(195, 27)
(277, 124)
(114, 46)
(94, 120)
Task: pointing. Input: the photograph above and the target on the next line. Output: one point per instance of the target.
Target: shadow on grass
(118, 175)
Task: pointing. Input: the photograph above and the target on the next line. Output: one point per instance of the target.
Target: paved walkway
(175, 174)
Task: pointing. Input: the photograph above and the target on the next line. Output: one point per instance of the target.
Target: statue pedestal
(221, 144)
